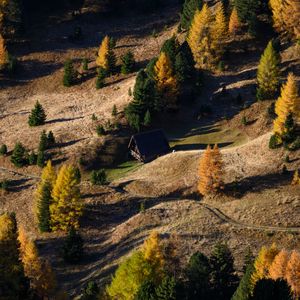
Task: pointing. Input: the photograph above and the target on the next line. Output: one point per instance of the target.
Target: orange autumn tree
(293, 273)
(234, 22)
(291, 18)
(278, 267)
(296, 178)
(277, 14)
(211, 171)
(42, 278)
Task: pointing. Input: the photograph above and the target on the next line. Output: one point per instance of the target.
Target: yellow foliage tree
(293, 273)
(278, 267)
(66, 207)
(42, 278)
(277, 14)
(144, 264)
(199, 38)
(218, 32)
(296, 178)
(211, 171)
(287, 103)
(263, 263)
(102, 60)
(234, 22)
(291, 17)
(167, 83)
(3, 53)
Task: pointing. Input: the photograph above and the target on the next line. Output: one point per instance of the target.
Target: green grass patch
(121, 170)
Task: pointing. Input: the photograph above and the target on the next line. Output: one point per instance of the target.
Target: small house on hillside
(148, 145)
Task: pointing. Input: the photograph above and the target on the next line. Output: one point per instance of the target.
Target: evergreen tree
(3, 54)
(40, 160)
(66, 207)
(72, 250)
(211, 171)
(246, 9)
(188, 12)
(268, 289)
(293, 273)
(245, 288)
(91, 292)
(278, 267)
(114, 111)
(223, 279)
(287, 103)
(44, 198)
(146, 291)
(182, 68)
(147, 118)
(37, 116)
(50, 139)
(100, 81)
(69, 74)
(219, 32)
(3, 149)
(43, 144)
(167, 84)
(106, 58)
(268, 73)
(198, 275)
(234, 22)
(13, 283)
(19, 156)
(167, 289)
(128, 63)
(42, 278)
(77, 174)
(171, 47)
(199, 38)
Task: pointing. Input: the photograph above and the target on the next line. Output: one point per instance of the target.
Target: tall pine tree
(188, 11)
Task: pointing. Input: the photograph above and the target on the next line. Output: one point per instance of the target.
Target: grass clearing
(122, 169)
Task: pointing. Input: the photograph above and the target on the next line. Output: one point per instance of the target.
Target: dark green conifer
(32, 158)
(50, 139)
(146, 291)
(3, 149)
(247, 9)
(128, 63)
(43, 144)
(147, 119)
(43, 208)
(69, 74)
(91, 292)
(37, 116)
(101, 75)
(40, 161)
(167, 289)
(19, 156)
(72, 250)
(188, 12)
(171, 47)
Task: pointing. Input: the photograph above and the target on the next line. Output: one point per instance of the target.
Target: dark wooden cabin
(148, 145)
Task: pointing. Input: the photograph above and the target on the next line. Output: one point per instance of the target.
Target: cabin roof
(150, 143)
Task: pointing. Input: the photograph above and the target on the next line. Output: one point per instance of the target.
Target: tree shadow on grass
(60, 120)
(257, 184)
(200, 146)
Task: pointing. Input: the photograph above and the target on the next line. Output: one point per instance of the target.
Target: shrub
(72, 249)
(4, 185)
(94, 117)
(275, 141)
(3, 150)
(19, 156)
(100, 130)
(114, 111)
(91, 291)
(295, 145)
(244, 121)
(98, 177)
(85, 66)
(37, 116)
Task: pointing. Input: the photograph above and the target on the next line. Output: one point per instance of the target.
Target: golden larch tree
(218, 32)
(263, 263)
(277, 14)
(40, 273)
(293, 272)
(199, 36)
(167, 83)
(103, 52)
(278, 267)
(3, 53)
(234, 22)
(211, 171)
(287, 103)
(291, 17)
(296, 178)
(66, 207)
